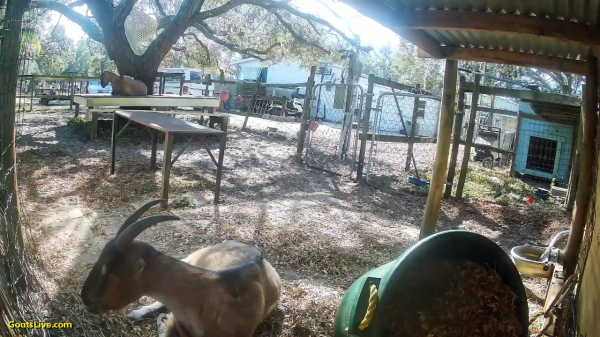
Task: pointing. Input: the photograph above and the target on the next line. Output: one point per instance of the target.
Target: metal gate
(403, 133)
(334, 127)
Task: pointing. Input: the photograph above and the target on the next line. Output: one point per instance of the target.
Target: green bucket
(450, 245)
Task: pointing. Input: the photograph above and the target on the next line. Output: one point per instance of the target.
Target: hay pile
(452, 299)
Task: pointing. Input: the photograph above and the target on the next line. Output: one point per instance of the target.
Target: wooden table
(97, 100)
(170, 126)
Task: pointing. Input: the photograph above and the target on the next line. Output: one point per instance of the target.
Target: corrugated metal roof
(581, 11)
(586, 11)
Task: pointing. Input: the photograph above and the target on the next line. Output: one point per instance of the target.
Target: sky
(370, 32)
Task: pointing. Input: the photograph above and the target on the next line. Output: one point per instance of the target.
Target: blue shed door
(543, 157)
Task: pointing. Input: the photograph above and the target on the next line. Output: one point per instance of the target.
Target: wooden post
(434, 197)
(348, 113)
(413, 129)
(93, 124)
(458, 121)
(588, 159)
(575, 167)
(469, 141)
(223, 146)
(513, 163)
(222, 78)
(181, 82)
(284, 107)
(113, 143)
(166, 169)
(154, 149)
(76, 110)
(32, 92)
(365, 128)
(305, 114)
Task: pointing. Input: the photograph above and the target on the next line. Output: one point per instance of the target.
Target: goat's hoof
(139, 314)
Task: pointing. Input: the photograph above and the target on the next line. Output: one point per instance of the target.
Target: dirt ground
(320, 231)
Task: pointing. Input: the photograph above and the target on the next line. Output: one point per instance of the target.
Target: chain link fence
(333, 129)
(22, 298)
(402, 139)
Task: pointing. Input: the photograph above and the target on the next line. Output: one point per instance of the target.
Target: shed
(545, 145)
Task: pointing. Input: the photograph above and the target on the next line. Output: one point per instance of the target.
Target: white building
(328, 106)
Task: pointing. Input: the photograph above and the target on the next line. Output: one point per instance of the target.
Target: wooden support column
(364, 128)
(513, 163)
(305, 114)
(458, 121)
(575, 167)
(434, 197)
(166, 169)
(587, 163)
(413, 128)
(469, 141)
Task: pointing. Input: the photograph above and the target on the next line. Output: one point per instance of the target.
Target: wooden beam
(537, 26)
(434, 196)
(525, 94)
(389, 18)
(587, 163)
(513, 163)
(495, 111)
(514, 58)
(470, 132)
(399, 86)
(399, 139)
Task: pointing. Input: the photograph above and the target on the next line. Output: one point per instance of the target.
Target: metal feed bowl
(527, 260)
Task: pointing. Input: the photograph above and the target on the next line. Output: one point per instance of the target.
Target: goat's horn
(129, 234)
(138, 214)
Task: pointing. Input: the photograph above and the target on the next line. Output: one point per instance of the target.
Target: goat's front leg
(146, 311)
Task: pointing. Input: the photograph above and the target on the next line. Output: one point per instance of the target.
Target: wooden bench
(163, 101)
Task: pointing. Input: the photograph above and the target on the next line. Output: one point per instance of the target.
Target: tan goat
(123, 85)
(225, 290)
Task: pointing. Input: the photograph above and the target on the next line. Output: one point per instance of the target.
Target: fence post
(458, 120)
(413, 129)
(348, 113)
(364, 134)
(305, 114)
(469, 141)
(9, 202)
(222, 78)
(588, 159)
(434, 197)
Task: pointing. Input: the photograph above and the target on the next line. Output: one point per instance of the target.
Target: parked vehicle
(192, 82)
(94, 87)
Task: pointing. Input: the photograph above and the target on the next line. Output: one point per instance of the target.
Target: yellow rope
(371, 309)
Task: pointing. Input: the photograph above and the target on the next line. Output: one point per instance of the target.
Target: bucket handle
(370, 309)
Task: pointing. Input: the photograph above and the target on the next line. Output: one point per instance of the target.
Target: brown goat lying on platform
(225, 290)
(123, 85)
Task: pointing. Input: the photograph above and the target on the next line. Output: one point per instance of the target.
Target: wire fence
(22, 298)
(333, 135)
(402, 139)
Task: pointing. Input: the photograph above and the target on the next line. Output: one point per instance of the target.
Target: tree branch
(297, 36)
(205, 47)
(233, 47)
(89, 27)
(286, 7)
(220, 10)
(541, 80)
(77, 3)
(160, 7)
(122, 11)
